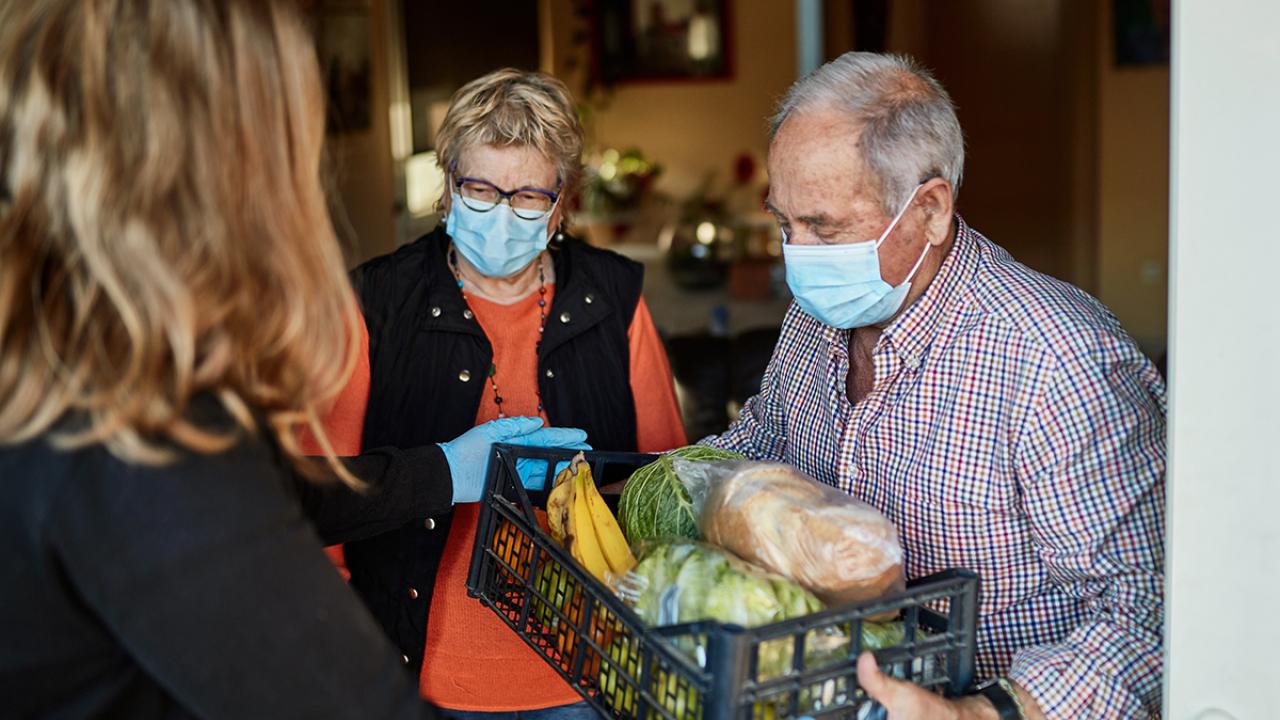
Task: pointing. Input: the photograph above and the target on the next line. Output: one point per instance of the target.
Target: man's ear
(938, 202)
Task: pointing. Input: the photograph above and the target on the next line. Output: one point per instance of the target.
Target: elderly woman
(495, 313)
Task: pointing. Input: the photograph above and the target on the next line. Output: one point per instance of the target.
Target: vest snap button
(429, 524)
(565, 318)
(589, 298)
(435, 312)
(468, 314)
(465, 376)
(551, 373)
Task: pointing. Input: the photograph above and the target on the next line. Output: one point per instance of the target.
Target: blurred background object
(1065, 104)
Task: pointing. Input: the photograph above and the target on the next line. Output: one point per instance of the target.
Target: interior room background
(1065, 106)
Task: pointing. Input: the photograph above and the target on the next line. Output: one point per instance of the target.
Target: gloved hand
(533, 472)
(468, 454)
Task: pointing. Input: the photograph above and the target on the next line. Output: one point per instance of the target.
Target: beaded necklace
(542, 323)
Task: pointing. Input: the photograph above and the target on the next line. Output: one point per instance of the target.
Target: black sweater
(196, 589)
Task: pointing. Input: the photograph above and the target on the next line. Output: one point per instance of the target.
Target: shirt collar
(911, 333)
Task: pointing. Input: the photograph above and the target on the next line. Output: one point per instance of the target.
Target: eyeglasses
(528, 203)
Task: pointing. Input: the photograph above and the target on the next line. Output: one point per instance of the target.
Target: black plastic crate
(627, 669)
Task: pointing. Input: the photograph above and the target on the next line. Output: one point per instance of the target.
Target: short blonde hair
(165, 234)
(514, 107)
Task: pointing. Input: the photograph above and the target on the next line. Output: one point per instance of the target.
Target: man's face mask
(840, 285)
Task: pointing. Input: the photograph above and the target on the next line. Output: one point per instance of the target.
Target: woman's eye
(532, 200)
(480, 192)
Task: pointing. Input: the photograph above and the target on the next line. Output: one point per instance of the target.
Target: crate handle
(512, 476)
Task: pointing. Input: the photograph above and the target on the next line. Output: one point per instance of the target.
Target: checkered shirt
(1015, 430)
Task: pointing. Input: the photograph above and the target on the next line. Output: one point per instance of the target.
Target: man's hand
(907, 701)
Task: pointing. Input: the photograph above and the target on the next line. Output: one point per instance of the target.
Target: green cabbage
(684, 581)
(655, 504)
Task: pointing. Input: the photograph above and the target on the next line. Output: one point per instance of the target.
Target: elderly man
(1001, 418)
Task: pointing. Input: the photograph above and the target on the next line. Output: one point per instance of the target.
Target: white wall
(1224, 550)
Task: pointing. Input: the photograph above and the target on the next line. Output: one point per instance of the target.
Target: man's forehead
(821, 119)
(804, 182)
(815, 143)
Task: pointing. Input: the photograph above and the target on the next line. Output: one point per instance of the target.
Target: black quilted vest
(428, 363)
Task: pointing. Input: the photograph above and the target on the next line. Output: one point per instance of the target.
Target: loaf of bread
(838, 547)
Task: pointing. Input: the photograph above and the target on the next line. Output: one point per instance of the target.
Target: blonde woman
(173, 309)
(495, 313)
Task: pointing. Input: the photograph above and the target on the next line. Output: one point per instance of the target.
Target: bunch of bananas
(579, 519)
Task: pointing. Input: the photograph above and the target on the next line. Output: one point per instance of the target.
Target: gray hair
(909, 130)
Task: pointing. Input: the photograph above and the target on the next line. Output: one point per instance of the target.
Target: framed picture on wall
(1142, 31)
(656, 40)
(343, 46)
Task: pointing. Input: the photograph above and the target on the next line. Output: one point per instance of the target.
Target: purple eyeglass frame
(555, 196)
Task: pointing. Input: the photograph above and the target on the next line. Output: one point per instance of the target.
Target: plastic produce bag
(655, 503)
(770, 514)
(684, 581)
(681, 581)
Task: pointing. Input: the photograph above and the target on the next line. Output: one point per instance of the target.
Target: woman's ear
(554, 223)
(938, 203)
(446, 196)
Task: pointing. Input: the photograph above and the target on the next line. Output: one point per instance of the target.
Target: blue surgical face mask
(496, 242)
(841, 286)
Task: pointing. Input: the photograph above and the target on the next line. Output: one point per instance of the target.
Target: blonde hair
(514, 107)
(165, 234)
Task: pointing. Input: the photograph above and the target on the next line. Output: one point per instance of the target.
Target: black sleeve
(210, 577)
(403, 486)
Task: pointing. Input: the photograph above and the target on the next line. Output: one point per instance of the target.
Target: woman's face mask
(496, 242)
(841, 285)
(500, 231)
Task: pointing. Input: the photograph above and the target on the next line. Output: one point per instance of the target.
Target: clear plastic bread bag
(770, 514)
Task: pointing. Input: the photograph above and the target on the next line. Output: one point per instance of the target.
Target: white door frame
(1222, 641)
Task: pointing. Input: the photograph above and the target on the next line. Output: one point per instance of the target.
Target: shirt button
(404, 659)
(911, 361)
(429, 524)
(468, 314)
(551, 373)
(565, 318)
(589, 298)
(413, 593)
(465, 376)
(435, 312)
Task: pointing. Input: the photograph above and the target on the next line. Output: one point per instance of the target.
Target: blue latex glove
(468, 454)
(533, 472)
